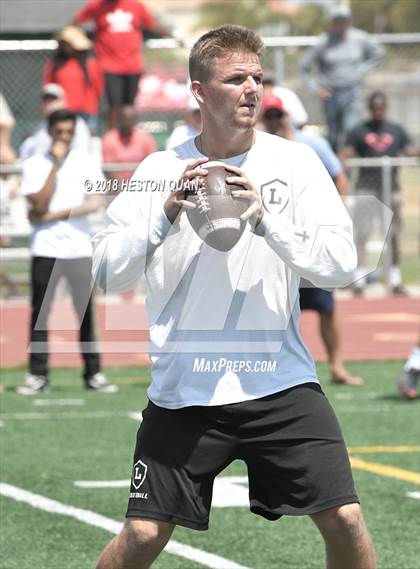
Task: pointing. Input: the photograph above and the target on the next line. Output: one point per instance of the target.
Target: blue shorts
(316, 299)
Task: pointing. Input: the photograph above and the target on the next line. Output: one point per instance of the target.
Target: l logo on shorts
(139, 474)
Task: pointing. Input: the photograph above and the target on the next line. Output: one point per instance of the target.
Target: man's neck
(125, 136)
(214, 146)
(287, 133)
(376, 124)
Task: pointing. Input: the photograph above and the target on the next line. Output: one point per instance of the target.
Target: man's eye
(237, 79)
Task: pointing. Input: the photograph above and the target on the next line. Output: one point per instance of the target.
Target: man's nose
(251, 85)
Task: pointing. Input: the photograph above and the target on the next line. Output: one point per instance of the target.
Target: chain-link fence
(22, 64)
(383, 203)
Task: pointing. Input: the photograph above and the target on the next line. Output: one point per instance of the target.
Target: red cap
(272, 102)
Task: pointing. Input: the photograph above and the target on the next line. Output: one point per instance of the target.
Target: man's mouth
(249, 105)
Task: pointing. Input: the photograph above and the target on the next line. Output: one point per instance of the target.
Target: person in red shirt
(126, 144)
(77, 73)
(118, 41)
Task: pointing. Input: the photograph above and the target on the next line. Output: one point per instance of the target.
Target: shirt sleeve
(405, 139)
(150, 144)
(47, 75)
(373, 54)
(310, 59)
(134, 228)
(352, 138)
(96, 77)
(88, 12)
(147, 20)
(33, 176)
(106, 148)
(329, 158)
(317, 240)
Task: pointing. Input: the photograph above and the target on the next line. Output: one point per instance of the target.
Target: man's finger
(233, 169)
(194, 163)
(238, 180)
(250, 211)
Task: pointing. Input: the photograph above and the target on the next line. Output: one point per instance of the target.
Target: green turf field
(89, 437)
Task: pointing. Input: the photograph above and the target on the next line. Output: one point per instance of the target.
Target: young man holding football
(218, 319)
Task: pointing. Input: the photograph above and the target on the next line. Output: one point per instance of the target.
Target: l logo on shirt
(274, 195)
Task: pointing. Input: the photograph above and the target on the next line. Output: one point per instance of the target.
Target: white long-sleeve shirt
(224, 327)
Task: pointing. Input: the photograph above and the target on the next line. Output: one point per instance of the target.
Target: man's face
(62, 131)
(339, 26)
(275, 121)
(377, 109)
(232, 95)
(127, 120)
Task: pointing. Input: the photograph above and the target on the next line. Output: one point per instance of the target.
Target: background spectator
(119, 26)
(54, 185)
(374, 138)
(7, 122)
(277, 121)
(9, 186)
(408, 380)
(126, 143)
(78, 74)
(342, 58)
(291, 102)
(191, 127)
(53, 99)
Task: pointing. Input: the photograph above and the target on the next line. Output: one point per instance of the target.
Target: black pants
(45, 273)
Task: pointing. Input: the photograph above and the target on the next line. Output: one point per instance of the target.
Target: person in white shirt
(190, 128)
(231, 377)
(53, 98)
(54, 185)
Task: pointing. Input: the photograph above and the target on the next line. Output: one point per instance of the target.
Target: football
(216, 217)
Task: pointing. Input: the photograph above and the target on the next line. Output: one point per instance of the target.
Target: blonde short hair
(228, 38)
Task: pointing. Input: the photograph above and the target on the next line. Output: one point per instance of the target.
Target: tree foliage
(386, 16)
(253, 14)
(377, 16)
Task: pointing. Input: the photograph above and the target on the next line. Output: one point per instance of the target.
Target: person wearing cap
(190, 128)
(77, 72)
(277, 121)
(119, 26)
(292, 103)
(342, 59)
(53, 98)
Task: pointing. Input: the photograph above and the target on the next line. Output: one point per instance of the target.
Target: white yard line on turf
(66, 415)
(347, 396)
(97, 520)
(415, 495)
(136, 416)
(228, 491)
(57, 402)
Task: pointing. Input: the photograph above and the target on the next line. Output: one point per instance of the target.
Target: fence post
(278, 65)
(387, 200)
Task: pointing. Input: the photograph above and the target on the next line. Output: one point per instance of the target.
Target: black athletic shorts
(290, 441)
(316, 299)
(121, 89)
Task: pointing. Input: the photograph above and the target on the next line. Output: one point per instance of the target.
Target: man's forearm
(89, 206)
(41, 199)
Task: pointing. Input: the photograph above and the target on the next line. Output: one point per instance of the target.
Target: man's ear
(197, 90)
